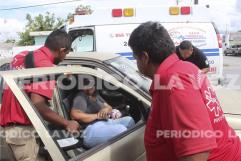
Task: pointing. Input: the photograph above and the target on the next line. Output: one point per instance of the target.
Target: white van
(108, 30)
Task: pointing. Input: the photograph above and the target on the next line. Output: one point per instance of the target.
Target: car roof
(97, 56)
(100, 56)
(31, 72)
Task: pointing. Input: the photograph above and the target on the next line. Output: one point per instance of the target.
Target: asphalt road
(232, 72)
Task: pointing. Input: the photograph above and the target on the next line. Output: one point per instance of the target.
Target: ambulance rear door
(114, 38)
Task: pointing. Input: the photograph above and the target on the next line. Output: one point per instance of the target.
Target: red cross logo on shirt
(212, 102)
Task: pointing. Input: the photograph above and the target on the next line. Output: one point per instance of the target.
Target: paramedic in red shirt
(13, 117)
(186, 122)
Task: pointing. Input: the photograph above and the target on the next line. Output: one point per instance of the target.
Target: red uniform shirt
(11, 111)
(186, 117)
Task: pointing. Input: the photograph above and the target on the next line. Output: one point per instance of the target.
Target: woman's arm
(78, 115)
(106, 107)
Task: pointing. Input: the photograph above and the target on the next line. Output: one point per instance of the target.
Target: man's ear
(145, 58)
(62, 49)
(192, 49)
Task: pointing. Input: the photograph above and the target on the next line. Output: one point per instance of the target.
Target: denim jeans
(102, 131)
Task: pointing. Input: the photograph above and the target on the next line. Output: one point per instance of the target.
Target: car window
(82, 40)
(119, 99)
(106, 67)
(129, 69)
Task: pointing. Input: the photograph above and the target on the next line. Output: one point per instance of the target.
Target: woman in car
(101, 121)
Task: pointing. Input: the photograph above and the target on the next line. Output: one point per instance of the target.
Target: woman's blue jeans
(102, 131)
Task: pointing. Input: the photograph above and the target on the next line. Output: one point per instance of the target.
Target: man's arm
(196, 157)
(40, 103)
(204, 64)
(78, 115)
(105, 107)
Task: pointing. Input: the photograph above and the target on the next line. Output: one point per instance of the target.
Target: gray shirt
(86, 105)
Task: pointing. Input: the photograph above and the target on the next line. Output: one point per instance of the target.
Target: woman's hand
(103, 114)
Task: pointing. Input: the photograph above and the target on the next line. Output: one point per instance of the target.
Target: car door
(127, 146)
(234, 47)
(115, 149)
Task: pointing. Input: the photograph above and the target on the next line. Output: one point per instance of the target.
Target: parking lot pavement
(229, 93)
(232, 72)
(230, 100)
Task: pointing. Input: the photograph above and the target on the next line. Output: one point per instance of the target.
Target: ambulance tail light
(174, 10)
(219, 38)
(186, 10)
(116, 12)
(220, 45)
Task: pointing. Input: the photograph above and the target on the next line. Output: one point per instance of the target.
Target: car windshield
(128, 69)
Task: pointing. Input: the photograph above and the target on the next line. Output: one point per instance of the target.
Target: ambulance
(108, 29)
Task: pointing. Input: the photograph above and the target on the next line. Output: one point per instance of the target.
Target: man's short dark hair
(185, 45)
(153, 38)
(58, 39)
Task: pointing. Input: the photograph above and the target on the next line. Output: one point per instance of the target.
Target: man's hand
(72, 126)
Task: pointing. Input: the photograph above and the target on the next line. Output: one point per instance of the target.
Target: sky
(225, 13)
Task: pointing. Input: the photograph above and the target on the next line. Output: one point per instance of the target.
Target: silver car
(121, 85)
(233, 50)
(128, 96)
